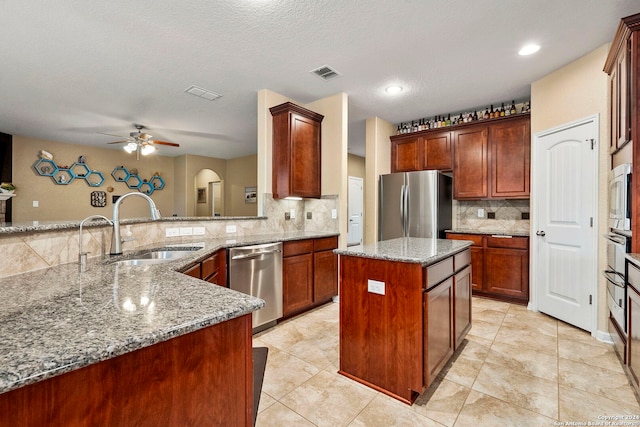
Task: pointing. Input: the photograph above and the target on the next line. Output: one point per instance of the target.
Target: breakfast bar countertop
(59, 319)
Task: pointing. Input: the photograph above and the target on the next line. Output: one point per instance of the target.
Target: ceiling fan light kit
(142, 143)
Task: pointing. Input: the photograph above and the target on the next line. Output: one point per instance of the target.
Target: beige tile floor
(516, 368)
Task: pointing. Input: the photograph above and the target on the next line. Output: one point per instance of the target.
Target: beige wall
(192, 165)
(356, 166)
(573, 92)
(202, 180)
(241, 173)
(72, 202)
(378, 155)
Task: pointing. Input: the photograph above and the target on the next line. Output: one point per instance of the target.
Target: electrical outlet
(491, 215)
(172, 232)
(35, 204)
(480, 213)
(309, 216)
(293, 213)
(198, 231)
(375, 287)
(231, 228)
(287, 216)
(334, 213)
(186, 231)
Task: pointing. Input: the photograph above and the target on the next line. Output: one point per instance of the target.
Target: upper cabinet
(490, 159)
(623, 67)
(618, 66)
(419, 152)
(296, 151)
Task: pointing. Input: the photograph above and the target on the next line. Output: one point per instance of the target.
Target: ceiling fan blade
(118, 142)
(110, 134)
(172, 144)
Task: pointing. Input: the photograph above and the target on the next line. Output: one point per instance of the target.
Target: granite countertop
(58, 319)
(415, 250)
(489, 232)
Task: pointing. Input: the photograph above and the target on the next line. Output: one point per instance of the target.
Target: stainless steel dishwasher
(257, 271)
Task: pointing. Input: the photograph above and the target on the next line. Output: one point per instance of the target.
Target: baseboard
(603, 336)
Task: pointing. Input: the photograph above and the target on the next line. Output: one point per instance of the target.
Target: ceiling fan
(141, 142)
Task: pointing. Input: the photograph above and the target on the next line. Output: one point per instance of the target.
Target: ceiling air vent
(203, 93)
(325, 72)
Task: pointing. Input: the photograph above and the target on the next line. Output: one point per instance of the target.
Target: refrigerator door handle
(402, 207)
(406, 210)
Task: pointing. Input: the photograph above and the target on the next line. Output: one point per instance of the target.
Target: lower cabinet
(396, 337)
(438, 327)
(500, 265)
(633, 329)
(212, 269)
(309, 273)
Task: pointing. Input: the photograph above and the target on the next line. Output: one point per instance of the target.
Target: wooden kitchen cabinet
(477, 257)
(426, 150)
(325, 269)
(500, 266)
(470, 163)
(633, 344)
(213, 269)
(297, 276)
(406, 154)
(309, 273)
(438, 326)
(436, 151)
(509, 160)
(462, 306)
(617, 66)
(296, 168)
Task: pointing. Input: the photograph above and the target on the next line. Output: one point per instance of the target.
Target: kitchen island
(405, 307)
(128, 345)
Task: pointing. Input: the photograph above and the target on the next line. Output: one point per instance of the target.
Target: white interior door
(565, 205)
(355, 204)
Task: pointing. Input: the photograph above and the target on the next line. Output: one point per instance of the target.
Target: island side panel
(381, 335)
(201, 378)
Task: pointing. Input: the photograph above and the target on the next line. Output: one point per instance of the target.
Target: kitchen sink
(158, 256)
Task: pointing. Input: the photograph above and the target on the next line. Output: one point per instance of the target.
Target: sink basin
(158, 256)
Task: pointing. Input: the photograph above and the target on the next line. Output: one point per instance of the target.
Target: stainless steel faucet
(116, 240)
(82, 256)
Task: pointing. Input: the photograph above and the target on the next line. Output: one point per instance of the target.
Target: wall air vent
(326, 72)
(203, 93)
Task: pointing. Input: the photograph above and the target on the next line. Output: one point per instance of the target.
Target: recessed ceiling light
(529, 49)
(392, 90)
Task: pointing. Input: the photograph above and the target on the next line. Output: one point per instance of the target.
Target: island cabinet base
(203, 378)
(398, 323)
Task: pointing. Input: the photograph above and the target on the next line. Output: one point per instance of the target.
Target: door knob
(540, 233)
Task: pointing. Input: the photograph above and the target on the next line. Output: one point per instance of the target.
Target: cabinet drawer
(436, 273)
(325, 243)
(462, 259)
(508, 242)
(297, 247)
(633, 276)
(210, 265)
(477, 239)
(194, 271)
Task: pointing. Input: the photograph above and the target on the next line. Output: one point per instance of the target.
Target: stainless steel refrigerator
(414, 204)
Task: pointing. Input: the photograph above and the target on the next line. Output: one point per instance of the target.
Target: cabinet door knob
(540, 233)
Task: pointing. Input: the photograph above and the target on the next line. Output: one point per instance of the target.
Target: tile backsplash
(508, 215)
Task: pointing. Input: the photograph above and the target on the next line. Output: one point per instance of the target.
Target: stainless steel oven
(620, 198)
(617, 247)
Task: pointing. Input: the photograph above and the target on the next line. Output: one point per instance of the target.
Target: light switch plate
(35, 204)
(231, 229)
(480, 213)
(198, 231)
(334, 213)
(186, 231)
(292, 213)
(375, 287)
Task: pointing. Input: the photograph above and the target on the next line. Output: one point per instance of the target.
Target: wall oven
(617, 246)
(620, 198)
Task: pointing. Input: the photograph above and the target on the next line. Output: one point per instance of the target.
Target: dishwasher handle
(255, 254)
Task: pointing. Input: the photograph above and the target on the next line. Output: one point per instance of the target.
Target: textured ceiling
(71, 69)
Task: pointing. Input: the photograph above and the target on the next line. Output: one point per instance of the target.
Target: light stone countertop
(57, 319)
(489, 232)
(415, 250)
